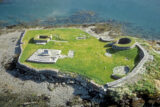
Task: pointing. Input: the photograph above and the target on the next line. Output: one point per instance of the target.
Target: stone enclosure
(42, 39)
(123, 44)
(89, 84)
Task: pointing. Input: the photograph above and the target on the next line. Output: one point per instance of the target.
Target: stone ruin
(120, 71)
(81, 37)
(49, 56)
(124, 41)
(121, 44)
(45, 56)
(42, 39)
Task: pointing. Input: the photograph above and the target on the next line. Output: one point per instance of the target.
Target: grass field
(89, 59)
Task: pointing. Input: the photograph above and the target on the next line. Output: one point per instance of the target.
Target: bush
(144, 87)
(20, 100)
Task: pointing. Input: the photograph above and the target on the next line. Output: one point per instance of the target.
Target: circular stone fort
(124, 43)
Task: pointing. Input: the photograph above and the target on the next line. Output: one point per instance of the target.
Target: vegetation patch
(89, 54)
(148, 86)
(20, 100)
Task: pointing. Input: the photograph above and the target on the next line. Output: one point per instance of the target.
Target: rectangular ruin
(42, 39)
(45, 56)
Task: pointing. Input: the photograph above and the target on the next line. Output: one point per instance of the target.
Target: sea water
(139, 16)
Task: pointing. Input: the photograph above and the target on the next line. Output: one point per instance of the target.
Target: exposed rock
(51, 79)
(101, 96)
(108, 54)
(106, 39)
(80, 88)
(151, 58)
(84, 84)
(63, 83)
(42, 77)
(79, 38)
(46, 97)
(71, 54)
(85, 97)
(51, 87)
(78, 102)
(157, 84)
(71, 82)
(56, 84)
(137, 102)
(63, 56)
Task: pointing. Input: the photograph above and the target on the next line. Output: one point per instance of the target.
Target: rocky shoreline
(57, 91)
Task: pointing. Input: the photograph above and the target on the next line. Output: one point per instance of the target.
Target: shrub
(145, 87)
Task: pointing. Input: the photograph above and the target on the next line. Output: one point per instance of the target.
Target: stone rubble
(108, 54)
(71, 54)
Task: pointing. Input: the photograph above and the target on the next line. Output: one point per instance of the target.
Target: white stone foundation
(39, 56)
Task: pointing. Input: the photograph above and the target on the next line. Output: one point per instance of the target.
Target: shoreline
(127, 30)
(23, 26)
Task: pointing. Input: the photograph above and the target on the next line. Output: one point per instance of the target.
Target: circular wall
(124, 41)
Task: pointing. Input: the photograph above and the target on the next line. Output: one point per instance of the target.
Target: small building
(42, 39)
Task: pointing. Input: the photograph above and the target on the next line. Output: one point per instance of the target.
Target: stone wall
(88, 84)
(119, 48)
(122, 48)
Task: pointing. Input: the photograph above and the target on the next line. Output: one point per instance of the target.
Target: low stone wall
(122, 48)
(143, 58)
(88, 84)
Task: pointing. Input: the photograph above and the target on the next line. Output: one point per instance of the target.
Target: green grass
(89, 59)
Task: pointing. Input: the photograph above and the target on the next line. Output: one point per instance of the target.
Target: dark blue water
(140, 17)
